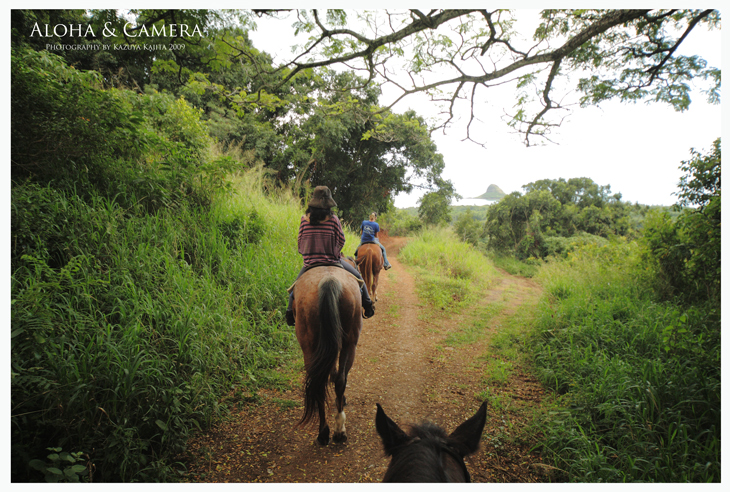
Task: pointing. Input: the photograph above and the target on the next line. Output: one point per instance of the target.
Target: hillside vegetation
(148, 278)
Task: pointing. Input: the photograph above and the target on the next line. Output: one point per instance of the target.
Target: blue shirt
(368, 230)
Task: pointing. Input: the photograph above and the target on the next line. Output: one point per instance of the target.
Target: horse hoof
(339, 437)
(324, 436)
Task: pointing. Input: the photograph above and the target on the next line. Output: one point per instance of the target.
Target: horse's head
(427, 454)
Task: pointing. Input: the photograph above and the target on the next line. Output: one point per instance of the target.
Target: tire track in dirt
(401, 364)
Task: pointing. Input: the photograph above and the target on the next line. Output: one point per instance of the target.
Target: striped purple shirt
(321, 243)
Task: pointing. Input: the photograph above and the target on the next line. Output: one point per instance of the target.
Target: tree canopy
(320, 127)
(629, 55)
(534, 223)
(319, 117)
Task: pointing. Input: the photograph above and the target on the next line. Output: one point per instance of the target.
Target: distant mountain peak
(493, 193)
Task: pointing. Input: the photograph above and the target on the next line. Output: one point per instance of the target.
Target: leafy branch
(450, 53)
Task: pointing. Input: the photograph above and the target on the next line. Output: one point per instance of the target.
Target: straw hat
(322, 198)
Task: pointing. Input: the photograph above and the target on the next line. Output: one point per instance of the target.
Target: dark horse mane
(421, 459)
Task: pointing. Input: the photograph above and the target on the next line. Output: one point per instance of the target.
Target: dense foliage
(685, 251)
(319, 128)
(639, 379)
(68, 131)
(555, 215)
(142, 291)
(628, 334)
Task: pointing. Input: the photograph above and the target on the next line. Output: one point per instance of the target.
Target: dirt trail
(403, 364)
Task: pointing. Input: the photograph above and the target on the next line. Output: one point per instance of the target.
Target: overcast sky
(634, 148)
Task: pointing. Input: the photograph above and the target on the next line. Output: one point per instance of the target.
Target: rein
(446, 449)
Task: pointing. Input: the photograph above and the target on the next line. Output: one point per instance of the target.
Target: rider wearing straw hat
(320, 242)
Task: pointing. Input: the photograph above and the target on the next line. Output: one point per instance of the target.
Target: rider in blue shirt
(369, 234)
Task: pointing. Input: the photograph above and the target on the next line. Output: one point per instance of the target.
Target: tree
(581, 192)
(318, 127)
(701, 187)
(468, 228)
(533, 223)
(451, 55)
(363, 157)
(434, 207)
(685, 251)
(70, 132)
(629, 55)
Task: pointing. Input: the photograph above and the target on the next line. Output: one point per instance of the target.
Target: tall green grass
(450, 274)
(639, 379)
(129, 330)
(513, 266)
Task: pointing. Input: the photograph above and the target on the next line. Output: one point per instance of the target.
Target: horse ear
(466, 437)
(391, 435)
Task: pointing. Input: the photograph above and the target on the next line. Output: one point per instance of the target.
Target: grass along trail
(419, 365)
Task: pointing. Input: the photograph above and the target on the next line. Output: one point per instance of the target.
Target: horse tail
(316, 389)
(368, 272)
(365, 265)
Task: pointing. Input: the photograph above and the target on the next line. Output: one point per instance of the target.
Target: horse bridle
(445, 448)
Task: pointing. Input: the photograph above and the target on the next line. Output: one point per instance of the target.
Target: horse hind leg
(323, 437)
(340, 433)
(346, 359)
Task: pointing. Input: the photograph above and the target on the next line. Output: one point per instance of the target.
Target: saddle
(363, 244)
(360, 282)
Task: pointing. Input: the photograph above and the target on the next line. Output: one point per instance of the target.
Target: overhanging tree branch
(589, 39)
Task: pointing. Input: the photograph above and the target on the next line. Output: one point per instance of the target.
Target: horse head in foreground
(426, 453)
(328, 313)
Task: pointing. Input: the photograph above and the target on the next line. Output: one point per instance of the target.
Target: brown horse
(370, 262)
(328, 311)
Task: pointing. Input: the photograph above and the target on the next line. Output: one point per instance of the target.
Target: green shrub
(561, 246)
(62, 466)
(468, 229)
(639, 379)
(129, 330)
(400, 222)
(684, 252)
(150, 149)
(64, 127)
